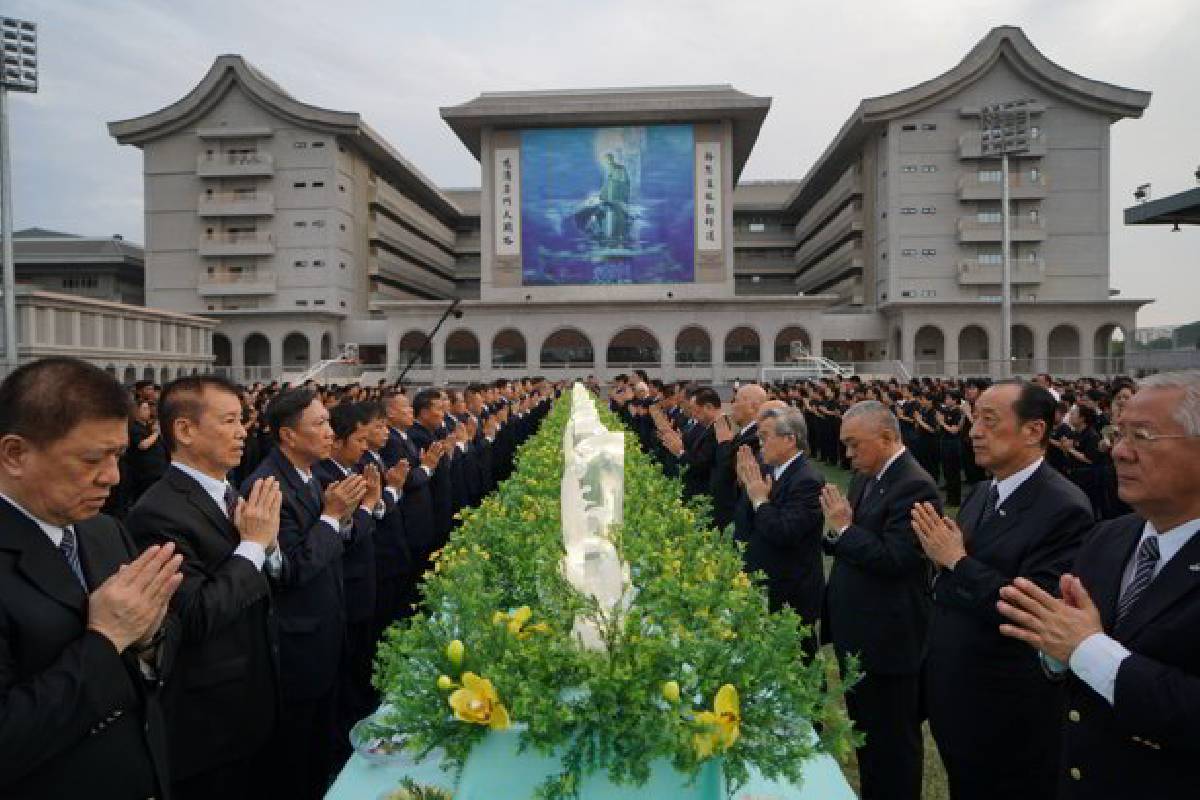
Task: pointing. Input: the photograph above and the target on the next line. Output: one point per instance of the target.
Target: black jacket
(309, 605)
(995, 715)
(700, 452)
(877, 604)
(1148, 744)
(420, 527)
(76, 717)
(783, 539)
(358, 559)
(723, 483)
(221, 701)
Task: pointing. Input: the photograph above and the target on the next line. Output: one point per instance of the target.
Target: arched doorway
(567, 347)
(1063, 351)
(410, 344)
(973, 356)
(1109, 344)
(693, 345)
(326, 346)
(295, 351)
(130, 376)
(783, 343)
(462, 349)
(929, 348)
(164, 376)
(508, 349)
(1022, 350)
(633, 347)
(222, 350)
(741, 346)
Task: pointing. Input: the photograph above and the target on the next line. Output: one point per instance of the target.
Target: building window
(299, 145)
(910, 167)
(318, 223)
(1034, 132)
(318, 302)
(990, 176)
(757, 227)
(318, 184)
(929, 168)
(342, 226)
(908, 210)
(300, 224)
(301, 302)
(929, 251)
(343, 303)
(908, 251)
(908, 127)
(929, 126)
(929, 210)
(341, 188)
(929, 293)
(342, 264)
(883, 215)
(318, 144)
(991, 259)
(988, 217)
(300, 263)
(318, 263)
(299, 185)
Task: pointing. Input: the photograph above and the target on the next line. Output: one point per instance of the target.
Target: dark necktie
(1143, 573)
(870, 487)
(69, 547)
(990, 506)
(231, 498)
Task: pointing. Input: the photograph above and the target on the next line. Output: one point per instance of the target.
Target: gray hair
(789, 422)
(1187, 413)
(876, 412)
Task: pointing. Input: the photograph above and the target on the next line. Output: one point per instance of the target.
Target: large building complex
(611, 229)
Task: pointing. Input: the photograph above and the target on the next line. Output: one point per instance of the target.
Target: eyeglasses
(1140, 437)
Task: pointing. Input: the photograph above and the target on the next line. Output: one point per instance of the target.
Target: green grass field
(935, 776)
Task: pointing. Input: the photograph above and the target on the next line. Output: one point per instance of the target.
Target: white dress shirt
(253, 552)
(1006, 487)
(333, 522)
(54, 532)
(876, 478)
(1098, 658)
(782, 468)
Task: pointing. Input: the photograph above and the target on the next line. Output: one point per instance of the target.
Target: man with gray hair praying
(779, 516)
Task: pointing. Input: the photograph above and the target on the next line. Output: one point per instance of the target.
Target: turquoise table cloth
(496, 771)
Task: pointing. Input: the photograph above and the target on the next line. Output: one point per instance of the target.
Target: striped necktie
(69, 547)
(1147, 560)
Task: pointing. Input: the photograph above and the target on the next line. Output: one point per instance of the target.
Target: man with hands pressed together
(84, 637)
(877, 603)
(310, 604)
(779, 517)
(1125, 629)
(696, 449)
(221, 701)
(993, 711)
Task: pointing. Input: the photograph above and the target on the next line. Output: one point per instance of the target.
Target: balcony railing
(1022, 229)
(236, 204)
(1020, 187)
(227, 282)
(258, 243)
(231, 165)
(972, 272)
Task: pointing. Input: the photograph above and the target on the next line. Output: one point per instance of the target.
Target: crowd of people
(1046, 632)
(212, 634)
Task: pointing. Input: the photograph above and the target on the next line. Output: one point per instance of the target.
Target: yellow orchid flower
(454, 652)
(720, 726)
(517, 623)
(477, 703)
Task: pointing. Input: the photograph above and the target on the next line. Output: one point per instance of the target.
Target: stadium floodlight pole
(19, 73)
(429, 338)
(1004, 130)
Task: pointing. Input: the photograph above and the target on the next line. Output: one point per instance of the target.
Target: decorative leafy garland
(497, 648)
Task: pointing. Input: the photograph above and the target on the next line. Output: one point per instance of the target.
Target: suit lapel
(38, 560)
(1011, 510)
(1176, 580)
(299, 488)
(202, 501)
(1106, 588)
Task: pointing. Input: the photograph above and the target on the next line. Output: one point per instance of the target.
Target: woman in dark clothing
(1114, 506)
(146, 456)
(1083, 453)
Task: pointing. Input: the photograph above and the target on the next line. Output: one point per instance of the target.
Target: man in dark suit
(351, 427)
(395, 575)
(222, 699)
(723, 482)
(1126, 625)
(877, 601)
(83, 644)
(696, 449)
(779, 517)
(993, 712)
(310, 605)
(428, 417)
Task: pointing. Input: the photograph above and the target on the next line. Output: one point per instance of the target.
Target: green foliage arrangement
(495, 647)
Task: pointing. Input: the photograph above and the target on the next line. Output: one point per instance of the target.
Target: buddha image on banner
(608, 205)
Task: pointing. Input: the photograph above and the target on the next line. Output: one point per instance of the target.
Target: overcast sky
(397, 61)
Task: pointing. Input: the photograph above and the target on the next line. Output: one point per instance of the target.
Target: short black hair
(345, 419)
(286, 408)
(45, 400)
(425, 399)
(1088, 415)
(181, 400)
(372, 410)
(1035, 404)
(707, 396)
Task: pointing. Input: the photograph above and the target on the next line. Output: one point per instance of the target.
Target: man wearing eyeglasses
(1125, 629)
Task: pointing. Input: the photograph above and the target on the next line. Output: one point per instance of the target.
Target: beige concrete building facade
(300, 230)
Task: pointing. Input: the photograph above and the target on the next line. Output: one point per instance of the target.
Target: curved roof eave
(1007, 42)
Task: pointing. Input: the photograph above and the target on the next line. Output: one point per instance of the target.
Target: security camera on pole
(1004, 129)
(18, 42)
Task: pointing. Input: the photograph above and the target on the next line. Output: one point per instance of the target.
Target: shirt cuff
(1096, 661)
(253, 552)
(274, 563)
(428, 471)
(844, 528)
(332, 522)
(394, 493)
(758, 504)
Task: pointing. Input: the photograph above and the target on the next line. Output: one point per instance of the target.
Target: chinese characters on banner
(708, 196)
(508, 208)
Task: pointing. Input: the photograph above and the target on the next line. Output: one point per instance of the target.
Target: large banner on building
(607, 205)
